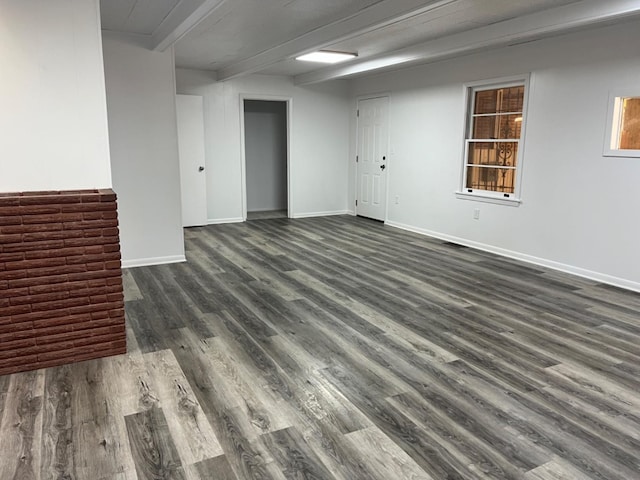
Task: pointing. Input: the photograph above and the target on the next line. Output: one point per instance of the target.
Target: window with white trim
(493, 152)
(623, 129)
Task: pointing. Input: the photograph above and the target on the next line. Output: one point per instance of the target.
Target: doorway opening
(265, 158)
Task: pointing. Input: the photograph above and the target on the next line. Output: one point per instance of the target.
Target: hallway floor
(267, 215)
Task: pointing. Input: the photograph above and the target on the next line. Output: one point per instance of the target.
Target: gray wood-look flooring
(339, 348)
(266, 215)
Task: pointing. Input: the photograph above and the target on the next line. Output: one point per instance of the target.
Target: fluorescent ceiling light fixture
(325, 56)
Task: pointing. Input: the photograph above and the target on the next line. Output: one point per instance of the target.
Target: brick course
(61, 297)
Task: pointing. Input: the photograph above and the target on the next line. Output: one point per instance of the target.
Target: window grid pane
(493, 179)
(497, 126)
(503, 154)
(499, 100)
(630, 124)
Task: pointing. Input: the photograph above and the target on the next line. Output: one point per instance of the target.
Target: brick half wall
(61, 297)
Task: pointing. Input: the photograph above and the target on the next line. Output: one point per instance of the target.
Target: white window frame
(470, 88)
(614, 122)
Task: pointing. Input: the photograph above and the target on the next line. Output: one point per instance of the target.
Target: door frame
(372, 96)
(243, 163)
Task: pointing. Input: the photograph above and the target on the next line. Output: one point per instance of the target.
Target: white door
(371, 171)
(190, 114)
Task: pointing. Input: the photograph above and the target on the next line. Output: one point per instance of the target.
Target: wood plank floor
(339, 348)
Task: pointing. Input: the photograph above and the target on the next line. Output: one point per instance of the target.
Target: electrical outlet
(397, 199)
(476, 214)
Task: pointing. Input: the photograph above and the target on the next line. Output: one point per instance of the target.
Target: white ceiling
(237, 37)
(135, 16)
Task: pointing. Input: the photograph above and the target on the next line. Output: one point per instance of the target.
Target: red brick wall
(61, 296)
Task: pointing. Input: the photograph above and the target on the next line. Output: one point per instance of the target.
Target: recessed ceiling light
(324, 56)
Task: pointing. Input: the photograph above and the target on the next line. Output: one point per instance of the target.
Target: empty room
(298, 239)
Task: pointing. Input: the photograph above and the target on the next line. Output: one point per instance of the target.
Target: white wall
(265, 133)
(319, 141)
(144, 151)
(53, 120)
(579, 210)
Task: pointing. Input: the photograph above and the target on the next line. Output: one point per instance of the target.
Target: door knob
(382, 167)
(200, 168)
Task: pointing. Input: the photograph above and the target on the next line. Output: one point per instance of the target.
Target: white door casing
(372, 157)
(193, 183)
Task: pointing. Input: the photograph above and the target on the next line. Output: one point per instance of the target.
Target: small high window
(623, 131)
(495, 125)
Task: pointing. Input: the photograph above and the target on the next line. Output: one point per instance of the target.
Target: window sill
(622, 153)
(512, 202)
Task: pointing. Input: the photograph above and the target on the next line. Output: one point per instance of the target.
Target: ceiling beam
(531, 27)
(378, 15)
(185, 16)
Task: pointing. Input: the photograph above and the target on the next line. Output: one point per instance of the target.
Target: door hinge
(356, 203)
(356, 158)
(357, 113)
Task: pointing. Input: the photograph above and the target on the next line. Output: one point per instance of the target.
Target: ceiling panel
(291, 67)
(141, 17)
(239, 29)
(448, 20)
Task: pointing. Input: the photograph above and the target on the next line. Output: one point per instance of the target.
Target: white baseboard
(581, 272)
(319, 214)
(144, 262)
(218, 221)
(351, 212)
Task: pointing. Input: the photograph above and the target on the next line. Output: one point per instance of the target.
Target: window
(495, 124)
(623, 130)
